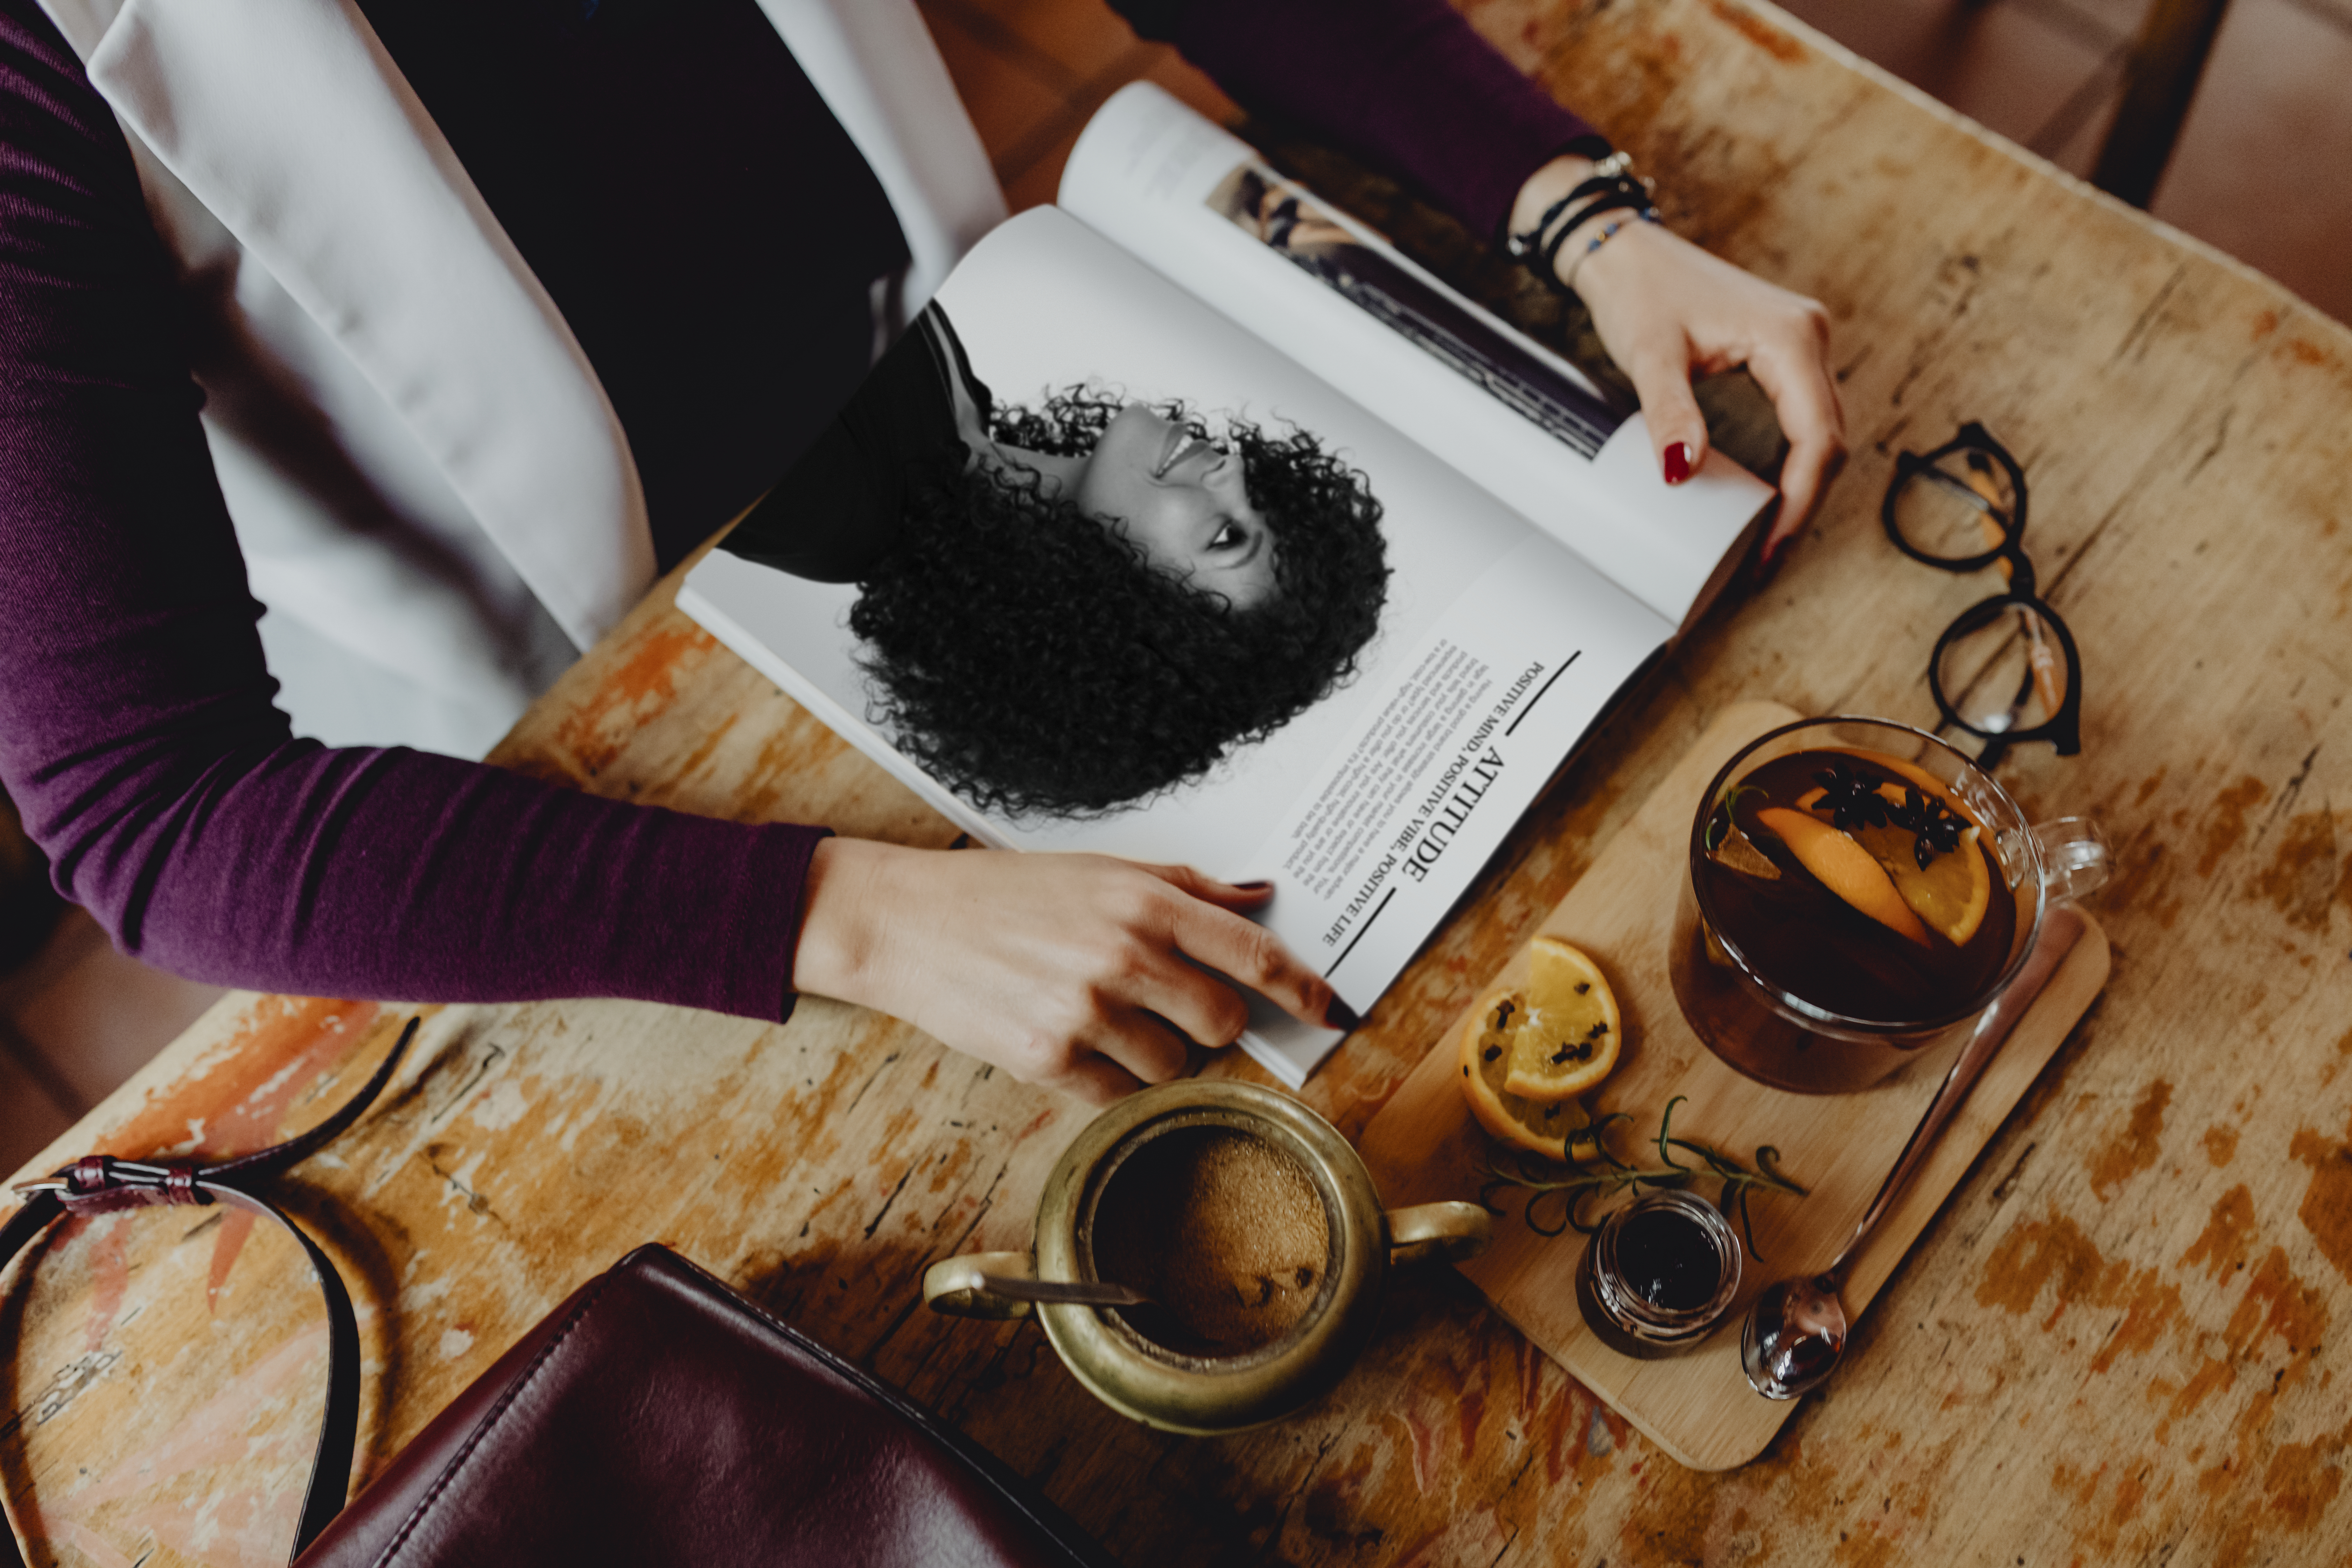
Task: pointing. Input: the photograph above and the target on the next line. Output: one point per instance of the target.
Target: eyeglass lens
(1957, 508)
(2003, 668)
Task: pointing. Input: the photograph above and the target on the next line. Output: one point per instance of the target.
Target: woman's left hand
(1665, 308)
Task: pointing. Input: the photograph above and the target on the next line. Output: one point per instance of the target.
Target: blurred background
(2262, 169)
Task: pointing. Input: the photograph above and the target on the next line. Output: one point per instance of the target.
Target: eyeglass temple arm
(1974, 497)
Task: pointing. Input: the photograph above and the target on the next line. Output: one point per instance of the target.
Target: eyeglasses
(2006, 670)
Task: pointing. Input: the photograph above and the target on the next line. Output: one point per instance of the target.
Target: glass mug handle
(2077, 860)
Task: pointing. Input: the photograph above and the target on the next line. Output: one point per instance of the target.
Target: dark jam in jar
(1658, 1276)
(1668, 1260)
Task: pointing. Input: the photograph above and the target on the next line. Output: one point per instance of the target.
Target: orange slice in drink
(1952, 891)
(1842, 865)
(1935, 786)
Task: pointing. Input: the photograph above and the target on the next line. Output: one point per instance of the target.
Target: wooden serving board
(1698, 1407)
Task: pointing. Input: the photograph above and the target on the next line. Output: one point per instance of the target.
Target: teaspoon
(1795, 1334)
(1077, 1292)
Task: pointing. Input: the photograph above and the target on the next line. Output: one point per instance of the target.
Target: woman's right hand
(1665, 308)
(1084, 974)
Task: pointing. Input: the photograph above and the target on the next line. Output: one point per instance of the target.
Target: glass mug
(1799, 987)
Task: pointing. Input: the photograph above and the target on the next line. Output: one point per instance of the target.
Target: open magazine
(1193, 522)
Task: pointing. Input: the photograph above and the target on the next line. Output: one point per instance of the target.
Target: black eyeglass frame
(2064, 728)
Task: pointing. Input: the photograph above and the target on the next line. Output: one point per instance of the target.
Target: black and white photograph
(1070, 605)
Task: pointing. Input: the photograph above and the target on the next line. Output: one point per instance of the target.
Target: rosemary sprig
(1611, 1175)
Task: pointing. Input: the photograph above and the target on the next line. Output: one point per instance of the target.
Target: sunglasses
(2006, 670)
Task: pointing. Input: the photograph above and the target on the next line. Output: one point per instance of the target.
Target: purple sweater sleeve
(1404, 85)
(137, 729)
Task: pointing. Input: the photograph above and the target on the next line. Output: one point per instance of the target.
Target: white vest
(434, 497)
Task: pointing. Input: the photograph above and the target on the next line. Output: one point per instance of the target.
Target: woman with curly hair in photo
(1069, 609)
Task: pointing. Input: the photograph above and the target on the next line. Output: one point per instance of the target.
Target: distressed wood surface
(2112, 1345)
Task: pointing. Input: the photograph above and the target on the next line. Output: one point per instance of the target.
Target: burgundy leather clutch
(655, 1417)
(658, 1417)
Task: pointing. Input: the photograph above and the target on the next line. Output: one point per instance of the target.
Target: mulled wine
(1855, 884)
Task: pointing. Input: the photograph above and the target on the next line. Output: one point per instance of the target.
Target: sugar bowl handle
(958, 1286)
(1447, 1232)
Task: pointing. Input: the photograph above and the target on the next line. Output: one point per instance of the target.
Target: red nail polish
(1254, 887)
(1677, 463)
(1340, 1015)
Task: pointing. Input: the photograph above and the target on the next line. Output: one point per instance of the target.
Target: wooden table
(2115, 1344)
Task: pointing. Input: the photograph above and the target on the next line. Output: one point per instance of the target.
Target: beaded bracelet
(1647, 214)
(1636, 199)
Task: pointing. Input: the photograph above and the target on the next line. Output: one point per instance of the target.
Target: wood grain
(2114, 1344)
(1423, 1145)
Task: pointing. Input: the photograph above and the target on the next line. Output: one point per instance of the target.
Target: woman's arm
(137, 735)
(1402, 85)
(1407, 86)
(136, 732)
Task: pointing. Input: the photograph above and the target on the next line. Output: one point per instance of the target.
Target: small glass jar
(1659, 1275)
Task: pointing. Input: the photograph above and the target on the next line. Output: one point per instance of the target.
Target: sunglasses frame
(2063, 728)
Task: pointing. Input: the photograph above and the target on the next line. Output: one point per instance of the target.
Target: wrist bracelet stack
(1612, 186)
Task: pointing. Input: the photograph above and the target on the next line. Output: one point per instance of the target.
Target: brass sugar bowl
(1109, 1197)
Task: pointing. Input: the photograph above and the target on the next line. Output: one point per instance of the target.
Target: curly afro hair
(1036, 663)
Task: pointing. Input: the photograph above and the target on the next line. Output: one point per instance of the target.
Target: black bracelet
(1610, 187)
(1607, 174)
(1598, 184)
(1635, 198)
(1525, 244)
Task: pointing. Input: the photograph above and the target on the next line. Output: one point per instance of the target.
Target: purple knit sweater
(137, 729)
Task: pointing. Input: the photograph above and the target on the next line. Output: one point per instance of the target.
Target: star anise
(1935, 828)
(1852, 797)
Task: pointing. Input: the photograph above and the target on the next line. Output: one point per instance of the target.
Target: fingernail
(1254, 887)
(1677, 462)
(1340, 1015)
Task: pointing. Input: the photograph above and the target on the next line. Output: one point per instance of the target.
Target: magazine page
(1202, 206)
(1349, 677)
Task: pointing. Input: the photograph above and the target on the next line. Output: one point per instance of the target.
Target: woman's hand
(1665, 308)
(1084, 974)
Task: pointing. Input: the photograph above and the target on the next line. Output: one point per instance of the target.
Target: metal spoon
(1081, 1293)
(1796, 1332)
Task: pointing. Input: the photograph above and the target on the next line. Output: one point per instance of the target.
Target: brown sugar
(1224, 1231)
